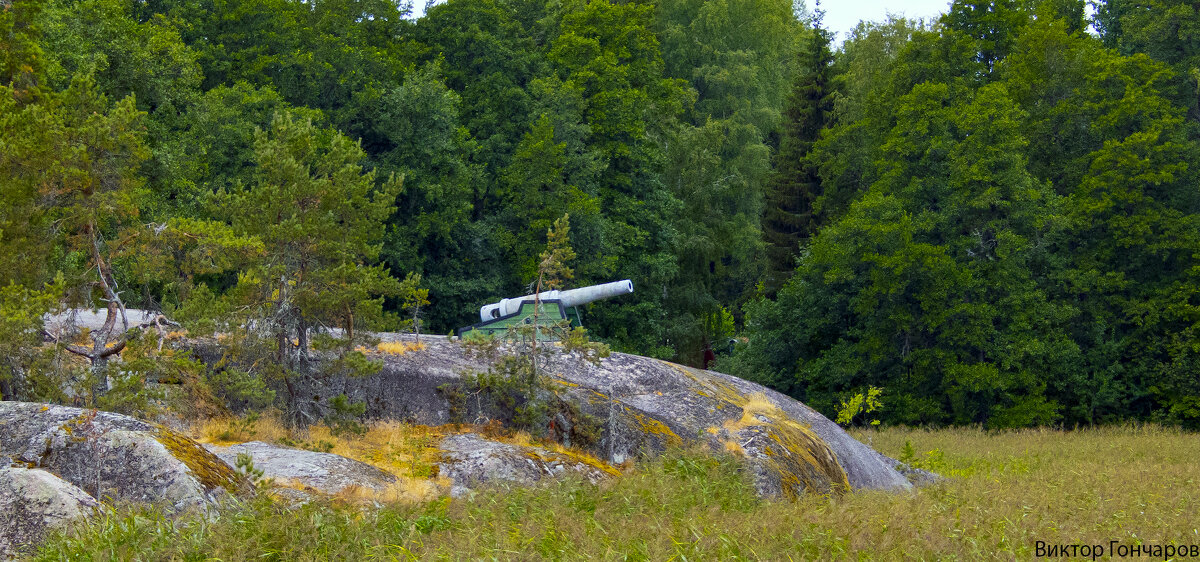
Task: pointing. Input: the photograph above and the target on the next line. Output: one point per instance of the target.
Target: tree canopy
(991, 217)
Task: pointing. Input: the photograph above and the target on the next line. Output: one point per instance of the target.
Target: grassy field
(1005, 491)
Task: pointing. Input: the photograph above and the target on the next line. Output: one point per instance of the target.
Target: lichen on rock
(638, 407)
(34, 502)
(325, 473)
(471, 461)
(117, 457)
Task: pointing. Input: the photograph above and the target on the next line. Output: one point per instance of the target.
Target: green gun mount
(551, 307)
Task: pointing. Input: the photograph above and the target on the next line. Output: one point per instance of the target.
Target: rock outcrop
(115, 456)
(629, 405)
(326, 473)
(638, 406)
(471, 461)
(34, 502)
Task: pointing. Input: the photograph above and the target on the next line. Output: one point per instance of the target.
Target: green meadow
(1003, 492)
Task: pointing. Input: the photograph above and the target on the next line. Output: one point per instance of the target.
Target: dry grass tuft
(404, 450)
(230, 430)
(408, 452)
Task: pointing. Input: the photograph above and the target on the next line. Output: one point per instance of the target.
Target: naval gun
(548, 307)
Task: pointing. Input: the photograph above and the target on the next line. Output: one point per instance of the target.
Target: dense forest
(992, 218)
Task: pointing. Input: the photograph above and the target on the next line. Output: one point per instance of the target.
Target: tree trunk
(302, 339)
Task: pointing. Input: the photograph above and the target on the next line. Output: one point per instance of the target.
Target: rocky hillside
(56, 462)
(628, 406)
(64, 462)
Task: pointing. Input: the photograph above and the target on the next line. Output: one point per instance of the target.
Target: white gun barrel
(584, 295)
(569, 298)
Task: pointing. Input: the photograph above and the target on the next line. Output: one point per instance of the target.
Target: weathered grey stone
(72, 320)
(34, 502)
(919, 476)
(471, 461)
(641, 405)
(326, 473)
(115, 456)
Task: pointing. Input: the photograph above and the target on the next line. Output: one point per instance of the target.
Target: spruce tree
(794, 185)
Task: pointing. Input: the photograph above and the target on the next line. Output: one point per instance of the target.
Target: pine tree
(70, 164)
(320, 217)
(794, 185)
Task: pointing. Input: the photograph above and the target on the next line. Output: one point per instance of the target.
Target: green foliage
(22, 64)
(127, 394)
(989, 271)
(240, 389)
(932, 291)
(325, 218)
(245, 465)
(738, 57)
(553, 271)
(933, 461)
(860, 404)
(344, 416)
(21, 312)
(1166, 30)
(317, 446)
(577, 341)
(241, 428)
(414, 299)
(992, 219)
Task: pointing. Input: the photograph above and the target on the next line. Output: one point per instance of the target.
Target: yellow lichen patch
(806, 462)
(711, 387)
(403, 490)
(398, 347)
(713, 430)
(734, 447)
(563, 454)
(211, 471)
(84, 337)
(555, 450)
(564, 382)
(803, 460)
(292, 483)
(651, 426)
(518, 438)
(409, 452)
(756, 405)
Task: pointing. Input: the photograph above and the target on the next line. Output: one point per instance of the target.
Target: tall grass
(1137, 485)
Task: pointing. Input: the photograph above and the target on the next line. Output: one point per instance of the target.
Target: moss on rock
(209, 470)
